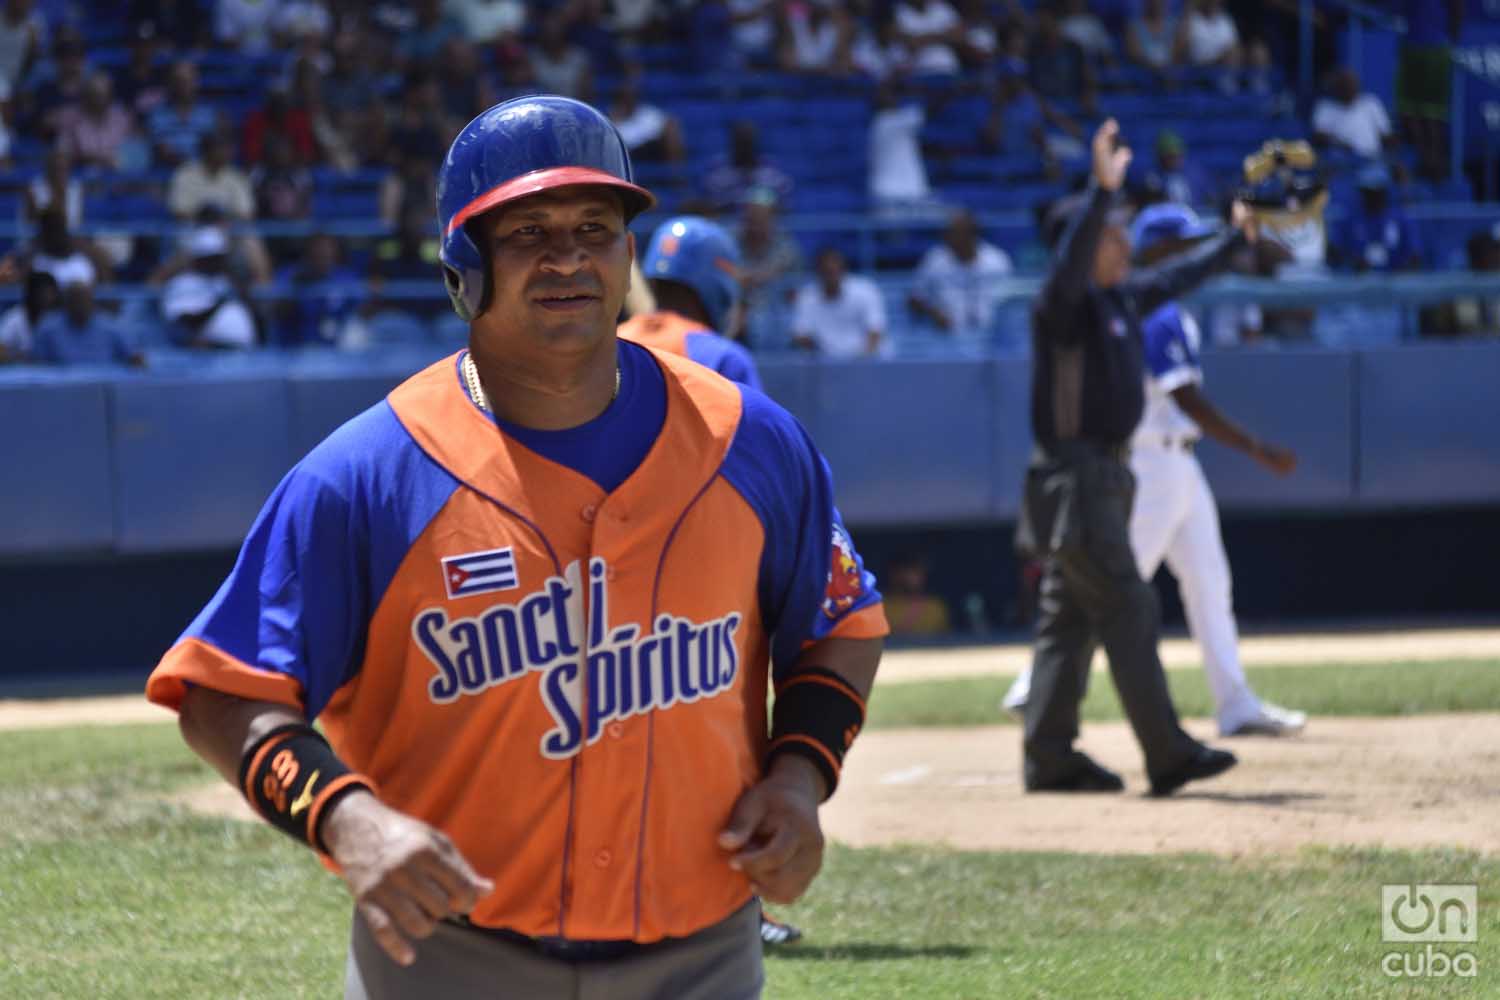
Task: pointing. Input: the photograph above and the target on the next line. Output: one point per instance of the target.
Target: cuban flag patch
(480, 572)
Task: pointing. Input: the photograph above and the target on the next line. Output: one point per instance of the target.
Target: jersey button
(588, 513)
(616, 730)
(602, 859)
(611, 573)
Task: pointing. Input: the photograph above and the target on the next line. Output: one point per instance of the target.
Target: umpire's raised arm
(1065, 290)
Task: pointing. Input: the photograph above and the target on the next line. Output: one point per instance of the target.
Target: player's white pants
(1175, 519)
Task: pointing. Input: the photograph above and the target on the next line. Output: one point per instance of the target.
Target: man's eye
(526, 231)
(592, 227)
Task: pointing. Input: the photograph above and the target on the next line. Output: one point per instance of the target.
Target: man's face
(757, 220)
(1346, 86)
(97, 93)
(183, 83)
(78, 303)
(831, 271)
(215, 153)
(963, 237)
(559, 267)
(322, 256)
(1112, 257)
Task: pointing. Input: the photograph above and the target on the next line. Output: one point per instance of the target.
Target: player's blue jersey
(1172, 340)
(668, 331)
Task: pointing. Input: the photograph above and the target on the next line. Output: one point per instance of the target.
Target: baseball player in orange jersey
(535, 598)
(692, 265)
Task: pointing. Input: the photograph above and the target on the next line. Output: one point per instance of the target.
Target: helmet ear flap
(465, 275)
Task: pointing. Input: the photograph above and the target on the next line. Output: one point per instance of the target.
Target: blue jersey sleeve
(811, 576)
(1171, 349)
(320, 555)
(723, 356)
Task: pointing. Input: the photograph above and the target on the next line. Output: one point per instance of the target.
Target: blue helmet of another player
(1166, 222)
(700, 254)
(518, 148)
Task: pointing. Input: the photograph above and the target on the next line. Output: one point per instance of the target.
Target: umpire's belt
(561, 949)
(1080, 448)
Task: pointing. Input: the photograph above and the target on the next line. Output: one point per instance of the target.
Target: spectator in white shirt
(1149, 37)
(1083, 28)
(246, 25)
(23, 37)
(1207, 36)
(898, 176)
(932, 30)
(957, 282)
(817, 39)
(199, 299)
(839, 315)
(211, 180)
(486, 20)
(1357, 121)
(753, 28)
(18, 323)
(651, 135)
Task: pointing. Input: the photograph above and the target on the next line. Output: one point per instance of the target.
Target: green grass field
(106, 891)
(1384, 689)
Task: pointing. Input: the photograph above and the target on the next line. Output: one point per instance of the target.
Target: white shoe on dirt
(1014, 701)
(1270, 720)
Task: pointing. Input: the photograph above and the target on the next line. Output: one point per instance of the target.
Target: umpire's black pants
(1076, 515)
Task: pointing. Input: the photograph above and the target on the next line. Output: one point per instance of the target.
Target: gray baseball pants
(722, 962)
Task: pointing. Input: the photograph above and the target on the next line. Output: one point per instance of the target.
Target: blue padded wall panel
(909, 442)
(55, 453)
(196, 459)
(320, 404)
(1011, 382)
(1429, 424)
(792, 383)
(1300, 398)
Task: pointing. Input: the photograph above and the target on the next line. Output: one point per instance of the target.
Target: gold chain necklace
(481, 398)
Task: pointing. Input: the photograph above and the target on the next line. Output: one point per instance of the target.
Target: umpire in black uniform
(1087, 395)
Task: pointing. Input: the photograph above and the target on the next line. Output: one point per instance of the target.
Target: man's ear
(630, 244)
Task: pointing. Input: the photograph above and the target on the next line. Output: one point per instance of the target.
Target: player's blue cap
(518, 148)
(1165, 221)
(701, 255)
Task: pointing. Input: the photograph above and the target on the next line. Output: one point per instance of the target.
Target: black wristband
(291, 777)
(816, 715)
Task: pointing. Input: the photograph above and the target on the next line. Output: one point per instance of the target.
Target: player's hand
(774, 831)
(404, 875)
(1243, 219)
(1281, 461)
(1110, 159)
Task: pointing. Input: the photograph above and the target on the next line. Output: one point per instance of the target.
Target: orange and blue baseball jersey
(560, 662)
(670, 331)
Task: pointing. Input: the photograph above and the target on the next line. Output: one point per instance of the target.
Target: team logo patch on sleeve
(480, 572)
(845, 583)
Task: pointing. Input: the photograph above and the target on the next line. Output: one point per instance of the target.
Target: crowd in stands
(266, 167)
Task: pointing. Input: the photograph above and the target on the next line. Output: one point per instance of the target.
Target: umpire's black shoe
(1204, 763)
(1084, 776)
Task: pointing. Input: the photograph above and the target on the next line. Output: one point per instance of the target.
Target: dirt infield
(1425, 781)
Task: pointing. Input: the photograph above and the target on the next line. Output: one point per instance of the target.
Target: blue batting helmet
(703, 256)
(518, 148)
(1165, 221)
